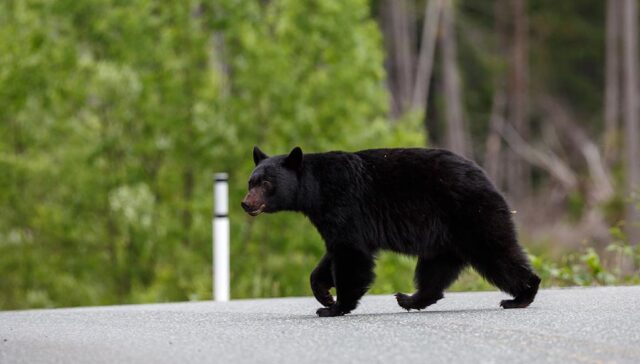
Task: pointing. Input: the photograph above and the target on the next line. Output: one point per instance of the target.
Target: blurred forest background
(114, 115)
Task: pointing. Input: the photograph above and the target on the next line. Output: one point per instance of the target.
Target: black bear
(429, 203)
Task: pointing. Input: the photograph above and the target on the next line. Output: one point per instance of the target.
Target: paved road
(563, 325)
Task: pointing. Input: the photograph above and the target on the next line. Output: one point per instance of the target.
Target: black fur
(429, 203)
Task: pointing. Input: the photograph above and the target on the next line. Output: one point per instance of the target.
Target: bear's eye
(266, 185)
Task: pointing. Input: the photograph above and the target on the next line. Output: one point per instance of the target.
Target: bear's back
(422, 173)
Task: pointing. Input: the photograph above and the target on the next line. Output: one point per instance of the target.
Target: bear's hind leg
(433, 275)
(508, 269)
(526, 296)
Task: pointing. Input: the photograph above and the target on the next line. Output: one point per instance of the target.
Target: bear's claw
(330, 311)
(513, 304)
(404, 301)
(411, 302)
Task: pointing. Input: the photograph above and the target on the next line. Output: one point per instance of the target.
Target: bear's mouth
(258, 211)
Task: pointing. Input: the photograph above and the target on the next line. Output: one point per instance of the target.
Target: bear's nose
(244, 206)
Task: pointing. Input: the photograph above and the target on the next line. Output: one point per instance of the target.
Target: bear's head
(273, 185)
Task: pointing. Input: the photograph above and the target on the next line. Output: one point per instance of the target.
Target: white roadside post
(221, 237)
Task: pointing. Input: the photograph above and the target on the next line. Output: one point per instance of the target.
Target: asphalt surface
(591, 325)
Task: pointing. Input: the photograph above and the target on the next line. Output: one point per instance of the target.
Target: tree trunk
(630, 69)
(398, 29)
(493, 147)
(426, 55)
(456, 133)
(612, 80)
(519, 173)
(495, 155)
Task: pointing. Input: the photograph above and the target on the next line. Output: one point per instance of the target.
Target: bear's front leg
(352, 273)
(322, 280)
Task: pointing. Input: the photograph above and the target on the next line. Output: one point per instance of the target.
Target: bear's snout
(252, 204)
(245, 206)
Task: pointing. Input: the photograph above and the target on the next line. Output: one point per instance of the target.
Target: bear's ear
(258, 155)
(294, 159)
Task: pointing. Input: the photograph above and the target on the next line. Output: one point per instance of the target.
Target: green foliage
(114, 115)
(587, 267)
(580, 269)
